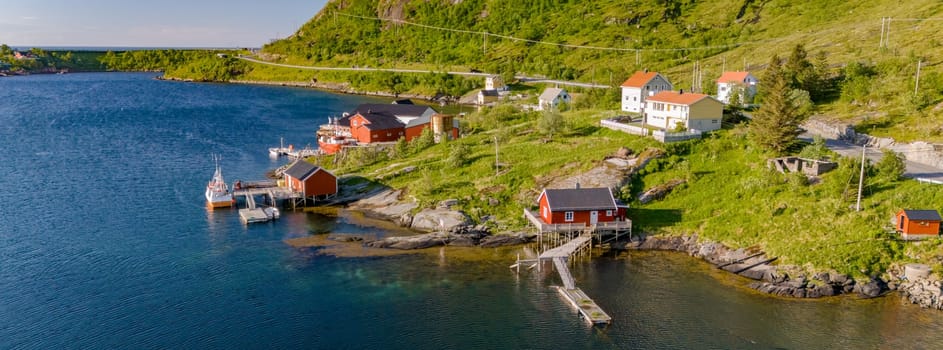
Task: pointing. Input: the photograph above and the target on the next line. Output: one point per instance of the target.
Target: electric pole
(917, 83)
(861, 178)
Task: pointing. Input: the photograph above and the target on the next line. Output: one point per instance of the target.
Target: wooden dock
(560, 255)
(255, 213)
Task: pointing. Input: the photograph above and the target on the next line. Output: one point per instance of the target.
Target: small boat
(217, 193)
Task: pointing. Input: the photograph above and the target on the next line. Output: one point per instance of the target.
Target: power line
(508, 37)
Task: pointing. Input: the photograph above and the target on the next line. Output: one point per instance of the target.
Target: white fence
(667, 137)
(626, 128)
(659, 135)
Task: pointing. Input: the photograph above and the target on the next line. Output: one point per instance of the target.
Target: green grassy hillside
(596, 41)
(729, 196)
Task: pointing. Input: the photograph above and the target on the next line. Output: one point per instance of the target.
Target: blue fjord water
(105, 243)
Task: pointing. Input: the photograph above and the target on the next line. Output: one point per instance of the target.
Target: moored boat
(217, 193)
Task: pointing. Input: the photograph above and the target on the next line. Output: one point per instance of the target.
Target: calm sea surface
(105, 243)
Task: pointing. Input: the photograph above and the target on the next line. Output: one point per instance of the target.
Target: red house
(579, 205)
(376, 127)
(310, 180)
(918, 224)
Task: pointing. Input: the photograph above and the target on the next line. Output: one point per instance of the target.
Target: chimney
(680, 91)
(577, 185)
(645, 70)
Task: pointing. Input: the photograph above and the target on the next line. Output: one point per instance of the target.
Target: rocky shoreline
(786, 281)
(913, 281)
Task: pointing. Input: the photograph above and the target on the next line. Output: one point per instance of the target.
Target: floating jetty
(580, 245)
(273, 195)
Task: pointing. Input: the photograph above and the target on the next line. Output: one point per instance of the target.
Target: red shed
(376, 127)
(311, 180)
(579, 205)
(918, 224)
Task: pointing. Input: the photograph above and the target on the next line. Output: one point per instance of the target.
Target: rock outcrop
(439, 220)
(784, 281)
(461, 236)
(920, 288)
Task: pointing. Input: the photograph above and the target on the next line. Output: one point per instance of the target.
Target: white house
(736, 81)
(487, 97)
(668, 109)
(639, 86)
(551, 98)
(494, 82)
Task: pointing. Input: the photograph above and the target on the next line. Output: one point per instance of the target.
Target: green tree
(401, 149)
(775, 125)
(458, 154)
(891, 166)
(425, 140)
(549, 123)
(816, 150)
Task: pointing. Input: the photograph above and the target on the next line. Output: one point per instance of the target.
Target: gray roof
(381, 121)
(426, 120)
(301, 169)
(580, 199)
(929, 215)
(406, 110)
(489, 92)
(550, 94)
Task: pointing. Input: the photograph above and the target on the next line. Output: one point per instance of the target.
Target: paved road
(396, 70)
(918, 171)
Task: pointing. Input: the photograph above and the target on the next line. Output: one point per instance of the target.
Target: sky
(164, 23)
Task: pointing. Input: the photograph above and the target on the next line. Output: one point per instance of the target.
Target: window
(633, 98)
(608, 212)
(375, 136)
(389, 134)
(546, 212)
(713, 121)
(568, 216)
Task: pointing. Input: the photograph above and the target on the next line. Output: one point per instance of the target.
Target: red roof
(639, 79)
(733, 77)
(676, 97)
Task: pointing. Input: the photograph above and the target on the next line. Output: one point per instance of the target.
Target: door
(593, 217)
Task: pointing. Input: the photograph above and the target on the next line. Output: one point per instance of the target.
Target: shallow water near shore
(105, 242)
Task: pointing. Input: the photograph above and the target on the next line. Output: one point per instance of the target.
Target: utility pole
(861, 178)
(638, 58)
(484, 42)
(917, 83)
(881, 41)
(497, 167)
(723, 67)
(887, 33)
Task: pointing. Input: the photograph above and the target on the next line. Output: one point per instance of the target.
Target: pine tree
(775, 125)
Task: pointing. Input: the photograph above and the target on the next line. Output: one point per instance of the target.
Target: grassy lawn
(730, 196)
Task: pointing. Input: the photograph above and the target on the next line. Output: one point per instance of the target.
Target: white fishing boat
(217, 193)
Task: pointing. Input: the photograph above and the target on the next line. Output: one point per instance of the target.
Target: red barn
(579, 205)
(376, 127)
(311, 180)
(918, 224)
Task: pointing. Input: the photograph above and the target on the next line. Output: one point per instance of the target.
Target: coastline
(777, 280)
(341, 88)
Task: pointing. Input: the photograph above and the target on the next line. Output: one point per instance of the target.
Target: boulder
(871, 289)
(659, 192)
(439, 220)
(505, 240)
(411, 242)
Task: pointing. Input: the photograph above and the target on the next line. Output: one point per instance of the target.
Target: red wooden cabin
(918, 224)
(311, 180)
(579, 205)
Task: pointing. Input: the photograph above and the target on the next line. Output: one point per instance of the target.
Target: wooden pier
(560, 255)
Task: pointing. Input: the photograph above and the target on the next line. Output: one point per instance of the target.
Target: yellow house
(669, 109)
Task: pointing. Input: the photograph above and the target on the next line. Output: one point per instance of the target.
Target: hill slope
(605, 40)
